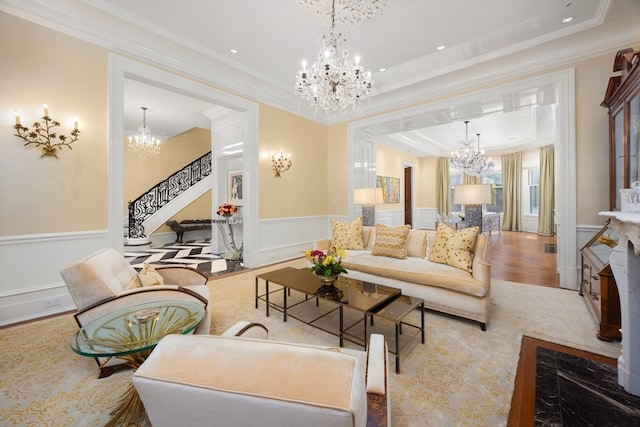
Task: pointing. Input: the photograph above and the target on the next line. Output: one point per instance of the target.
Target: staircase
(161, 202)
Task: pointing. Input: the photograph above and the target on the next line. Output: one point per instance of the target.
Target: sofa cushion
(454, 247)
(347, 235)
(417, 243)
(416, 270)
(391, 242)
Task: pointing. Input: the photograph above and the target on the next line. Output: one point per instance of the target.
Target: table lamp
(368, 198)
(473, 196)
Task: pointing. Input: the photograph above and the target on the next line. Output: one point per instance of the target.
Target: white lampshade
(472, 194)
(367, 196)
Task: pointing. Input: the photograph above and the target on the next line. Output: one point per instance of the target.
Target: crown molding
(98, 23)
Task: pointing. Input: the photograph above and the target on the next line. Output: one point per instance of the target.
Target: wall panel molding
(30, 281)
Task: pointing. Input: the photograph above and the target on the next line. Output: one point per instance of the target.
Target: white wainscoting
(30, 281)
(423, 218)
(286, 238)
(30, 265)
(426, 218)
(392, 218)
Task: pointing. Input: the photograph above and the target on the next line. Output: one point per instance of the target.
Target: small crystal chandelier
(143, 145)
(335, 81)
(470, 160)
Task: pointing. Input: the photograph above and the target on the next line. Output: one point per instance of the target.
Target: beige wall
(69, 194)
(426, 194)
(592, 138)
(48, 195)
(390, 162)
(302, 190)
(337, 169)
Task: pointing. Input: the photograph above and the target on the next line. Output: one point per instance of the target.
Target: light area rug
(461, 376)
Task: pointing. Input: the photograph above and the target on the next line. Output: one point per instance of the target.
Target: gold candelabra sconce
(44, 135)
(281, 164)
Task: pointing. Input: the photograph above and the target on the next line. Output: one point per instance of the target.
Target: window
(495, 179)
(533, 188)
(455, 179)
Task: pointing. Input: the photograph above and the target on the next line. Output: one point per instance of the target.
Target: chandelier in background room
(471, 160)
(143, 145)
(336, 81)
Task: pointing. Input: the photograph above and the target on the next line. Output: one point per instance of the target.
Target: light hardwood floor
(524, 258)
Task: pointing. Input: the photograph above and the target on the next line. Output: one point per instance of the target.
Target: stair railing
(163, 192)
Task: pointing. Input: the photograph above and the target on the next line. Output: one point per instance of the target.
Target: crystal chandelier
(336, 81)
(143, 145)
(470, 160)
(345, 12)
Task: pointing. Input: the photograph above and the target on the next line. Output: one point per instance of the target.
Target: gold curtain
(443, 186)
(547, 196)
(512, 183)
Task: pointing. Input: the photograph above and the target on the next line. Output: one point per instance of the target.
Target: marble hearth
(625, 264)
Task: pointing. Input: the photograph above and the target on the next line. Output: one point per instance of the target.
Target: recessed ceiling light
(233, 50)
(567, 20)
(441, 47)
(382, 69)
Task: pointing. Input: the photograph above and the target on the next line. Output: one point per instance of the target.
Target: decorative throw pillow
(454, 247)
(347, 235)
(391, 242)
(366, 236)
(148, 276)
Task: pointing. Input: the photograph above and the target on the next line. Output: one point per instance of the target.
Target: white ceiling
(485, 40)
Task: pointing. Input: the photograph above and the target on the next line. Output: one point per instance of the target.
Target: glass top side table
(131, 334)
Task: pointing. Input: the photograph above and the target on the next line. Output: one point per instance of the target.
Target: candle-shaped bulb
(75, 123)
(17, 117)
(46, 109)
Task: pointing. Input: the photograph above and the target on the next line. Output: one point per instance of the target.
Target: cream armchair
(229, 381)
(99, 284)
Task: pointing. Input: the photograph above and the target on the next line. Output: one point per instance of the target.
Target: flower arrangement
(227, 209)
(326, 264)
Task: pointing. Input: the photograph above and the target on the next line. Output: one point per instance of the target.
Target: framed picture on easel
(234, 190)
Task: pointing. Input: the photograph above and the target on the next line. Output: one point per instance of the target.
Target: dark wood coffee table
(370, 299)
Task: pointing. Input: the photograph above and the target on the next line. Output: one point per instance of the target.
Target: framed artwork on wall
(234, 187)
(390, 188)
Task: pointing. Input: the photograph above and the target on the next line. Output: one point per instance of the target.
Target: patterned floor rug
(195, 254)
(461, 376)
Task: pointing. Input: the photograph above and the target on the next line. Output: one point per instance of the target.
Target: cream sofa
(444, 288)
(198, 380)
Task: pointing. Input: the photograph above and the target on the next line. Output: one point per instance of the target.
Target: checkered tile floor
(194, 254)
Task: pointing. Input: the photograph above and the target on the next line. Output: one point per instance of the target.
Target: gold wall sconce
(281, 163)
(44, 136)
